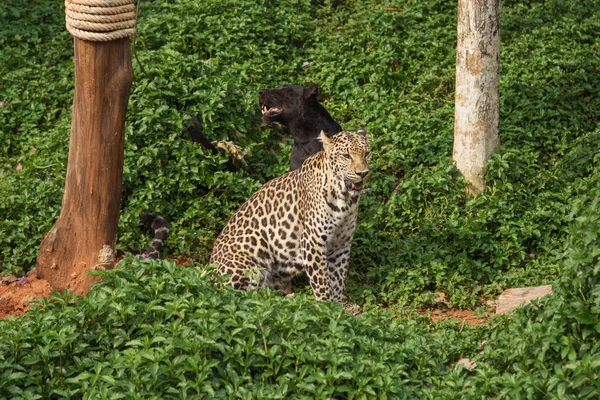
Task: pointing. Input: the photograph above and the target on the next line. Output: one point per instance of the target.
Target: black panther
(297, 108)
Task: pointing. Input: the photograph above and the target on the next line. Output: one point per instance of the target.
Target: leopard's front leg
(316, 268)
(337, 268)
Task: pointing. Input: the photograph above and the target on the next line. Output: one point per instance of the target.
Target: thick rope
(100, 20)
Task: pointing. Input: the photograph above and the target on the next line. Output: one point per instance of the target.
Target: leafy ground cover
(387, 67)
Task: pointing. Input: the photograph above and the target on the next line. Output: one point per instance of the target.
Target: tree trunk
(477, 109)
(85, 234)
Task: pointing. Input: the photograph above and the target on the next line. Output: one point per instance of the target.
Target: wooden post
(477, 109)
(85, 234)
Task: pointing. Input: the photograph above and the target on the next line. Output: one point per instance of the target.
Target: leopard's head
(350, 155)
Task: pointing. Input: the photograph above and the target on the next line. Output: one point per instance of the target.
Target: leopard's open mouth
(270, 111)
(354, 186)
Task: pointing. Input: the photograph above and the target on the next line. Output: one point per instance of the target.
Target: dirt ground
(465, 316)
(16, 294)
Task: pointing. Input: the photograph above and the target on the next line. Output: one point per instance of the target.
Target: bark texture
(477, 109)
(85, 234)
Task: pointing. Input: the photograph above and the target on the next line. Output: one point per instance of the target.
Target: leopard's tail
(159, 225)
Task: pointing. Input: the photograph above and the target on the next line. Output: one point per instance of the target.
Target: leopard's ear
(362, 132)
(311, 91)
(326, 141)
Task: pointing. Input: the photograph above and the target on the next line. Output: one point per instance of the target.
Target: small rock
(510, 299)
(8, 279)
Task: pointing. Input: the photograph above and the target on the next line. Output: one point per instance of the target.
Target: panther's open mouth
(270, 111)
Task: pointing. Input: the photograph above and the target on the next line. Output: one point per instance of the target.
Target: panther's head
(350, 155)
(285, 103)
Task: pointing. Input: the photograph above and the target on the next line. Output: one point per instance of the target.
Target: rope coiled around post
(100, 20)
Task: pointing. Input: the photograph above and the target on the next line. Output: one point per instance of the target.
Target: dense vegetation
(153, 329)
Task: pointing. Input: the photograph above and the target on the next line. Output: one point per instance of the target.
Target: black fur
(197, 135)
(297, 108)
(159, 225)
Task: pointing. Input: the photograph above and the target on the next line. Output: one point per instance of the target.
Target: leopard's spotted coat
(302, 221)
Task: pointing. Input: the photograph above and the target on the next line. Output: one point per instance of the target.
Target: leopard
(297, 108)
(300, 222)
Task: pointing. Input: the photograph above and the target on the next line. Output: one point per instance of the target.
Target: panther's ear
(311, 91)
(362, 132)
(326, 141)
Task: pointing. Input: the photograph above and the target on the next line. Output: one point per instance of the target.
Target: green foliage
(154, 329)
(552, 349)
(389, 71)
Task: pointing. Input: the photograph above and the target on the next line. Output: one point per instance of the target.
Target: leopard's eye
(348, 156)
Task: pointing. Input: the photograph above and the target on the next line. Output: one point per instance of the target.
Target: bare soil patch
(465, 316)
(16, 295)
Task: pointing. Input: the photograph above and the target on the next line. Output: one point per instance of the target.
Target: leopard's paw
(352, 308)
